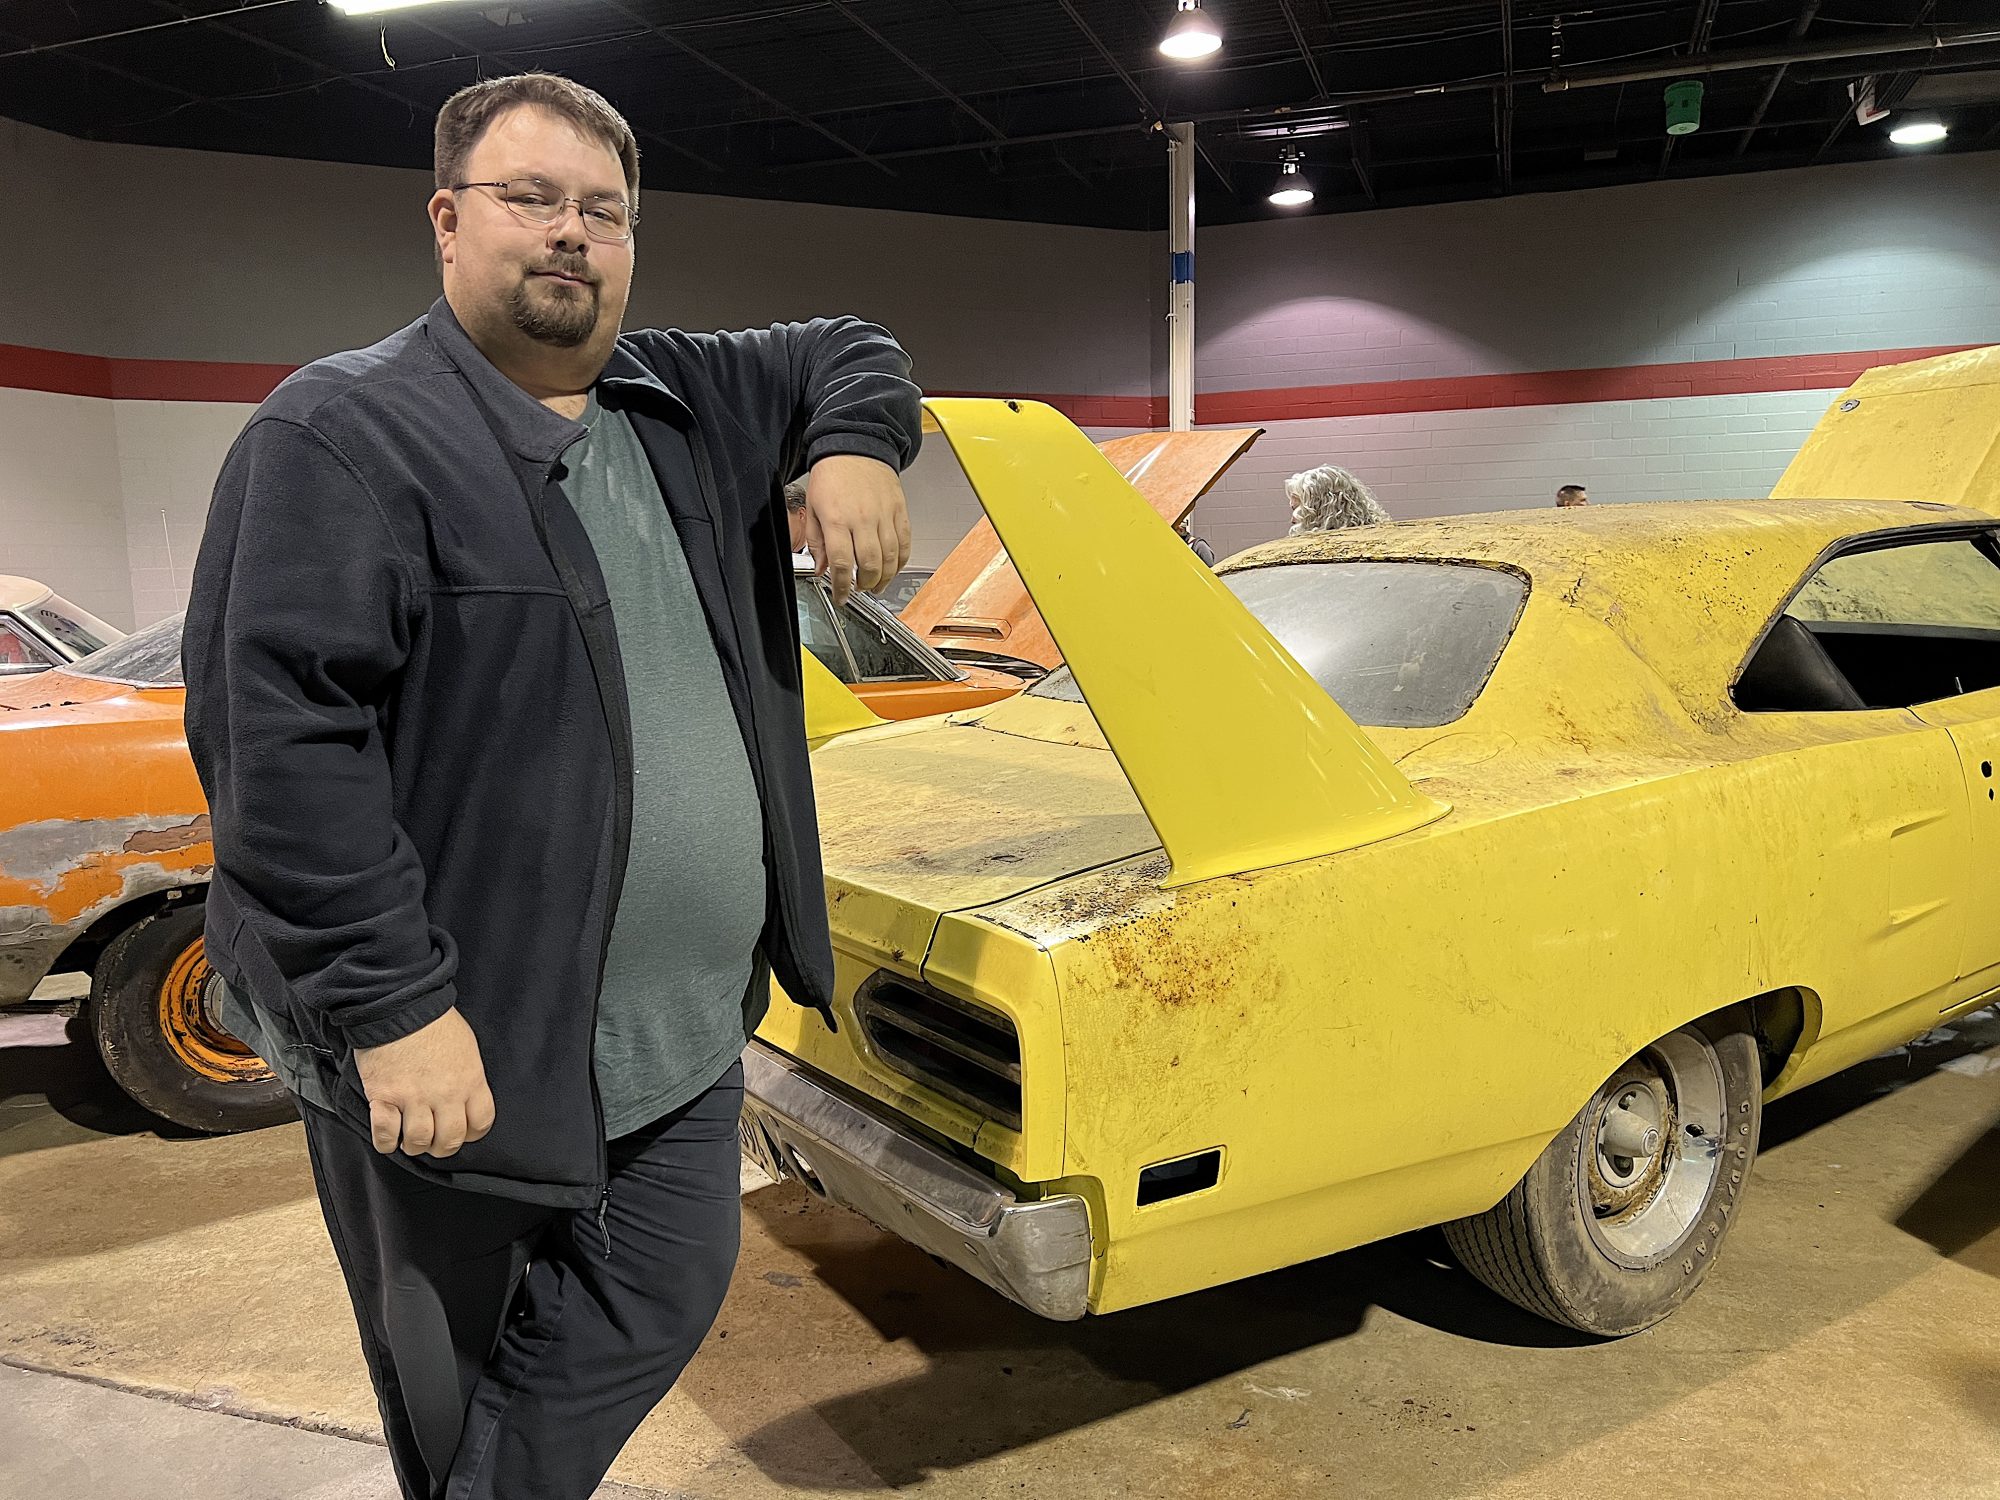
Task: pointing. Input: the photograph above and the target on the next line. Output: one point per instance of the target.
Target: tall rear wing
(1926, 430)
(1239, 758)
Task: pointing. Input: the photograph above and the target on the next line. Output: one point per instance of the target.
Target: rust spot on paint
(164, 840)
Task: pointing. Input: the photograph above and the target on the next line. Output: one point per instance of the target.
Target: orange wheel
(155, 1012)
(192, 1027)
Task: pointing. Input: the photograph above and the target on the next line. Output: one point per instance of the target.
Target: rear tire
(1606, 1236)
(153, 1014)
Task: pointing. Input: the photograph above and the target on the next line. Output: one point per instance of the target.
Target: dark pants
(511, 1357)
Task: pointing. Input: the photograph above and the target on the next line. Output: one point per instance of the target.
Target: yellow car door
(1974, 722)
(1924, 432)
(1911, 623)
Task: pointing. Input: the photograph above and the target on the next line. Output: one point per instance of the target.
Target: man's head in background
(795, 513)
(1572, 494)
(1330, 499)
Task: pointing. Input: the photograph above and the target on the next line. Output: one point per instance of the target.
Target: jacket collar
(532, 429)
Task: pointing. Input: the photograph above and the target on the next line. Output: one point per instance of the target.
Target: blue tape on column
(1183, 265)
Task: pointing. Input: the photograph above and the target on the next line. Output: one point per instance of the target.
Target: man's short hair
(795, 495)
(467, 113)
(1572, 489)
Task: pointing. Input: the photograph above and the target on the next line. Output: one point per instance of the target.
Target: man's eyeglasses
(538, 201)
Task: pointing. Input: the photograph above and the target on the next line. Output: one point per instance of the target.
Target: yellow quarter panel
(1386, 1038)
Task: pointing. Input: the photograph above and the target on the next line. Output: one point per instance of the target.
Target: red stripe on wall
(1711, 377)
(30, 369)
(1089, 411)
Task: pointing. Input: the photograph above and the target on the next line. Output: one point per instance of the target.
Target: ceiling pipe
(1808, 13)
(1958, 59)
(1929, 39)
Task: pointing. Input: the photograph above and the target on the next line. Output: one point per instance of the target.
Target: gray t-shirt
(675, 1001)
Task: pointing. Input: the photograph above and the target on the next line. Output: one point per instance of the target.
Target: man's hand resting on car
(427, 1091)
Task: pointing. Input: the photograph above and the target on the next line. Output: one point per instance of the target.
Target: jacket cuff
(405, 1020)
(857, 443)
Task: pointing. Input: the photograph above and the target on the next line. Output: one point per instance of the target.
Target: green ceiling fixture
(1684, 107)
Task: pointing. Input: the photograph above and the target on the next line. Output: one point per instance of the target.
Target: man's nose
(567, 233)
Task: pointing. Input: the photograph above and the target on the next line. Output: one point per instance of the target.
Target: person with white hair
(1330, 499)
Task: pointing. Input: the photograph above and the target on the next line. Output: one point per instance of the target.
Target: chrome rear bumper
(1036, 1253)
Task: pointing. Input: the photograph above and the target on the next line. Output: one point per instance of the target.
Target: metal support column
(1180, 297)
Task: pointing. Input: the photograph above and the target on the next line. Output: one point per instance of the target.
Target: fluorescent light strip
(376, 7)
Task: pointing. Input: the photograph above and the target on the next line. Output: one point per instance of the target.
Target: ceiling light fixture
(1292, 189)
(1191, 34)
(376, 7)
(1919, 132)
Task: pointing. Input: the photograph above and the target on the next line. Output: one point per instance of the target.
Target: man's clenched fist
(427, 1092)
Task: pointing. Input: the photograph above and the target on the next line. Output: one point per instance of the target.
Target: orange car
(885, 665)
(104, 841)
(104, 864)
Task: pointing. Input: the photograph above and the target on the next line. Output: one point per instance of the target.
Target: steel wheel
(1624, 1213)
(154, 1013)
(1656, 1131)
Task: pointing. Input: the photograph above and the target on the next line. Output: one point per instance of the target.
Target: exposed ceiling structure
(1044, 109)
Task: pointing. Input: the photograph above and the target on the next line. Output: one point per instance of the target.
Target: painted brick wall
(1863, 256)
(168, 456)
(1880, 256)
(216, 257)
(235, 258)
(61, 515)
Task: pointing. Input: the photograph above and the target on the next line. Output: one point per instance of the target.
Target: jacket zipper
(620, 838)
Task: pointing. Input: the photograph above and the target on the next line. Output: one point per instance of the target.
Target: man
(1184, 528)
(493, 686)
(1330, 499)
(1571, 494)
(798, 516)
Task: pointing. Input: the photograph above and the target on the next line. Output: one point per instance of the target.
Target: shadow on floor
(48, 1061)
(1959, 1212)
(1028, 1379)
(66, 1128)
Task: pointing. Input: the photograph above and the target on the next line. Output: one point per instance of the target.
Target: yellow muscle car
(1487, 872)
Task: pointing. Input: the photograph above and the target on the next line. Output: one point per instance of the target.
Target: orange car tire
(151, 1012)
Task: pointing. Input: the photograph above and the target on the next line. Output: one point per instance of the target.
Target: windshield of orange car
(78, 632)
(1398, 645)
(149, 658)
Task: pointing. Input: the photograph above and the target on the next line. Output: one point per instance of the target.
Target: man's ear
(443, 213)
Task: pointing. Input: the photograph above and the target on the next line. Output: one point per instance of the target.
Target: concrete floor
(1844, 1347)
